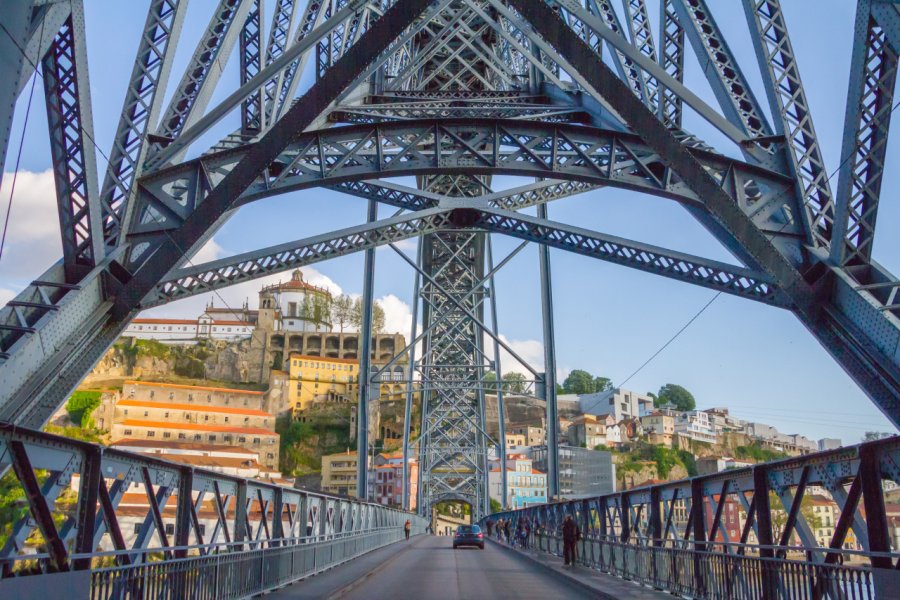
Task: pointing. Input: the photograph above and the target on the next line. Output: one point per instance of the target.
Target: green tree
(579, 382)
(602, 384)
(377, 316)
(80, 406)
(514, 383)
(495, 506)
(677, 395)
(342, 311)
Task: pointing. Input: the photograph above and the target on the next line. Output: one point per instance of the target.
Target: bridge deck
(428, 567)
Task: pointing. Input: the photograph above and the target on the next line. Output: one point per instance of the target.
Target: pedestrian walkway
(428, 567)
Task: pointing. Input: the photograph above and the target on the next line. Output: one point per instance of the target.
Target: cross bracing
(568, 96)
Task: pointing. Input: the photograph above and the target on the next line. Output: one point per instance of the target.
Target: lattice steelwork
(568, 96)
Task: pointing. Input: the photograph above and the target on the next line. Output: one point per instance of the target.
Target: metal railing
(237, 574)
(715, 575)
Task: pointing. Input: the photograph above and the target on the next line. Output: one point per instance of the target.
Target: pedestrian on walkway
(506, 530)
(490, 527)
(407, 528)
(571, 534)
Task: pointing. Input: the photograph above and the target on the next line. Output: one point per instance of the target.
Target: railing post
(655, 524)
(240, 514)
(89, 487)
(699, 523)
(873, 502)
(764, 530)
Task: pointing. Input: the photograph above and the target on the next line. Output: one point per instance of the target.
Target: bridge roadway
(428, 567)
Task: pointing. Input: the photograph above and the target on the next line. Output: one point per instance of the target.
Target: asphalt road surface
(431, 568)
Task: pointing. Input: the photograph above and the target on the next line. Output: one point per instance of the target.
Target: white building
(621, 404)
(214, 323)
(695, 425)
(298, 306)
(829, 444)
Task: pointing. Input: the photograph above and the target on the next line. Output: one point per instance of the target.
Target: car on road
(468, 535)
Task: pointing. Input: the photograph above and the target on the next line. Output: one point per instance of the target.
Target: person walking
(571, 534)
(506, 530)
(406, 528)
(490, 527)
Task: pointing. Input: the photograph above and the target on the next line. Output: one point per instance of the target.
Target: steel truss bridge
(568, 96)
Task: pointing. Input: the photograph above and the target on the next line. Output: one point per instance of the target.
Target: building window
(167, 434)
(151, 433)
(212, 438)
(256, 441)
(242, 439)
(182, 436)
(146, 413)
(167, 414)
(137, 528)
(226, 419)
(170, 528)
(197, 437)
(126, 432)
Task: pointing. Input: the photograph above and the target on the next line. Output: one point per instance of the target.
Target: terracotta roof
(195, 407)
(164, 444)
(165, 321)
(194, 387)
(197, 427)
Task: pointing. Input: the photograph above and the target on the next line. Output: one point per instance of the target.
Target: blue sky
(757, 360)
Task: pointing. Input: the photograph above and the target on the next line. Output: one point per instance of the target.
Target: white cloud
(531, 351)
(397, 315)
(32, 241)
(210, 251)
(5, 296)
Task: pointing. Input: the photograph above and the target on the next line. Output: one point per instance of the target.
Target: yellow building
(317, 378)
(323, 379)
(339, 473)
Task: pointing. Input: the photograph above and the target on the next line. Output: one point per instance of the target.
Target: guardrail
(813, 526)
(186, 516)
(237, 574)
(716, 575)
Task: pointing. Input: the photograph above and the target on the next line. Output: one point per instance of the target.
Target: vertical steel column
(501, 416)
(873, 502)
(407, 412)
(764, 526)
(240, 513)
(549, 366)
(365, 359)
(88, 491)
(698, 519)
(183, 510)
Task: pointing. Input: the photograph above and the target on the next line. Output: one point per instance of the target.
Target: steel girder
(870, 102)
(849, 309)
(45, 360)
(467, 146)
(870, 355)
(143, 100)
(70, 123)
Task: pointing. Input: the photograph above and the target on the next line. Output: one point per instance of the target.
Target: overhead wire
(12, 188)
